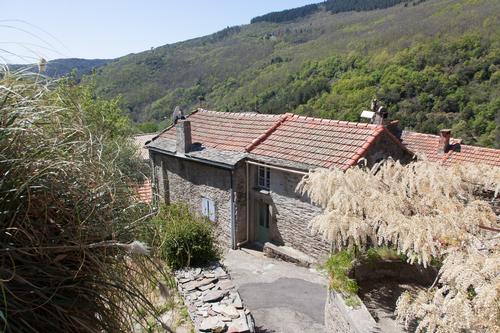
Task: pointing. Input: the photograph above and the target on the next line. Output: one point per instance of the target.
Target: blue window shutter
(204, 207)
(211, 210)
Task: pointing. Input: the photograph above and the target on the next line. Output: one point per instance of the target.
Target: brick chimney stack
(444, 141)
(183, 138)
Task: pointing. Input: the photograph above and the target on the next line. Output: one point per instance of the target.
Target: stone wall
(340, 318)
(292, 213)
(385, 147)
(396, 270)
(180, 180)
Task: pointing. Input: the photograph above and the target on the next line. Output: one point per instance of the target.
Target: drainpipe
(247, 209)
(233, 219)
(154, 187)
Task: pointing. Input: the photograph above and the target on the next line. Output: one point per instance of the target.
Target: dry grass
(425, 211)
(66, 220)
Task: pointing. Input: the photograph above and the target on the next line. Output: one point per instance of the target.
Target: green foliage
(352, 301)
(340, 264)
(427, 87)
(62, 67)
(287, 15)
(339, 6)
(102, 116)
(182, 238)
(375, 254)
(332, 6)
(338, 267)
(331, 66)
(149, 127)
(105, 119)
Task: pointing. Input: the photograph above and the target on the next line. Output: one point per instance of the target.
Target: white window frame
(208, 208)
(263, 177)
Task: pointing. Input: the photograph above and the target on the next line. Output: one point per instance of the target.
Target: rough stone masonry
(212, 301)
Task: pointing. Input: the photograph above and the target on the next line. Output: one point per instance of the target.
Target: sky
(109, 29)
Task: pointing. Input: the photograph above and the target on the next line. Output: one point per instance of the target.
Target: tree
(105, 120)
(426, 211)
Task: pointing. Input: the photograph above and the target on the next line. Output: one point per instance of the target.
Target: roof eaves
(223, 165)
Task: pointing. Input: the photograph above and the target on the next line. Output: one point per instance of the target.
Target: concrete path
(282, 297)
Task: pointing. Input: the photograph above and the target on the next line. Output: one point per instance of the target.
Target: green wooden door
(263, 222)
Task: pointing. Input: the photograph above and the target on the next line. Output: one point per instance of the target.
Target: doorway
(263, 221)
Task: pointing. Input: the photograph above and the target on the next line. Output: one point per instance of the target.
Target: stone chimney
(381, 115)
(183, 139)
(178, 114)
(444, 141)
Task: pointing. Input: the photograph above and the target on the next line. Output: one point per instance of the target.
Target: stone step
(289, 254)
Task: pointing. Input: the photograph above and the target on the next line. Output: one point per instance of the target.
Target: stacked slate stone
(213, 303)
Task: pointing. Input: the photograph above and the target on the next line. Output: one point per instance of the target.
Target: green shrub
(182, 238)
(338, 266)
(374, 254)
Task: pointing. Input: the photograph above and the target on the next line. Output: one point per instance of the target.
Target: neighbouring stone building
(241, 170)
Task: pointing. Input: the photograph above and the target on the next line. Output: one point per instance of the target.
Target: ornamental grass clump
(184, 239)
(428, 213)
(69, 262)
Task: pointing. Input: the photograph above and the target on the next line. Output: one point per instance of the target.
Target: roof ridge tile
(264, 135)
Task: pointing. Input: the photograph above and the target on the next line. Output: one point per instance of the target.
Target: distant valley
(433, 63)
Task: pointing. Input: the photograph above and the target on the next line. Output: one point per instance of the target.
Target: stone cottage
(240, 170)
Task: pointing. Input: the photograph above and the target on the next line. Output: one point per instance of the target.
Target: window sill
(262, 190)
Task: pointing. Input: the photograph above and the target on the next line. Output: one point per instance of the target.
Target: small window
(264, 177)
(208, 208)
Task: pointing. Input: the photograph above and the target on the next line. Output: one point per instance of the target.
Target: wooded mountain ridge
(434, 64)
(62, 67)
(332, 6)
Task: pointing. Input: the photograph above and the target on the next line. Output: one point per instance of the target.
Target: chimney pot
(444, 141)
(381, 115)
(183, 136)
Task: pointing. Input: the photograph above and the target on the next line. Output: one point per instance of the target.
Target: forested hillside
(61, 67)
(332, 6)
(434, 64)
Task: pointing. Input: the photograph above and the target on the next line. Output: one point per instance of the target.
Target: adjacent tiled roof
(319, 142)
(427, 145)
(144, 191)
(302, 141)
(225, 130)
(140, 140)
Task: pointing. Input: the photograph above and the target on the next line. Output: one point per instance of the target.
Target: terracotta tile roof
(427, 144)
(144, 191)
(302, 140)
(140, 140)
(312, 141)
(319, 142)
(225, 130)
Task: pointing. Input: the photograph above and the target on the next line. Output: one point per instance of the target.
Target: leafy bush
(182, 238)
(374, 254)
(338, 266)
